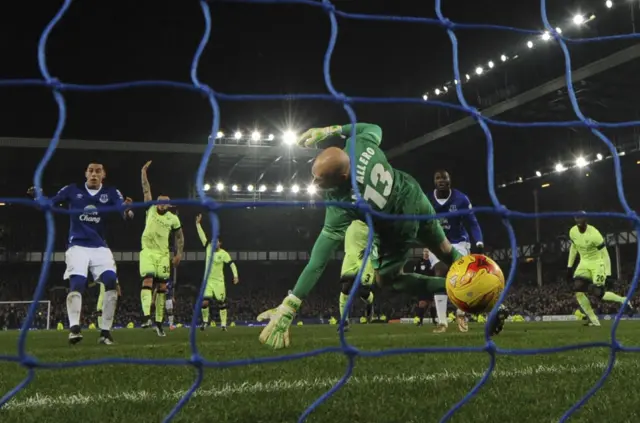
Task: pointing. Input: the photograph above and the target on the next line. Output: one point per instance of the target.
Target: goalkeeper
(593, 274)
(384, 189)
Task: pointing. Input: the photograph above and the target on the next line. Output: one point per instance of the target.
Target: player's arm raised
(364, 131)
(201, 234)
(276, 333)
(146, 187)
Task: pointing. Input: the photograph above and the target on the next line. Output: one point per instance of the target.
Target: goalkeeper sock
(418, 285)
(205, 315)
(74, 306)
(161, 298)
(223, 317)
(585, 305)
(610, 296)
(145, 298)
(108, 309)
(343, 303)
(441, 308)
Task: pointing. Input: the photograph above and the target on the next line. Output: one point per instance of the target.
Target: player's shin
(610, 296)
(146, 297)
(77, 284)
(108, 309)
(161, 299)
(441, 308)
(585, 305)
(222, 309)
(343, 304)
(205, 314)
(170, 317)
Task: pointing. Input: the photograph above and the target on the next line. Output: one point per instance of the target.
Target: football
(474, 283)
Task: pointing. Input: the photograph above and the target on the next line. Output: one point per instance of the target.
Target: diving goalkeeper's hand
(315, 135)
(276, 333)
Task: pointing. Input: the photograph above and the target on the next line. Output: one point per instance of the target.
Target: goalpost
(25, 307)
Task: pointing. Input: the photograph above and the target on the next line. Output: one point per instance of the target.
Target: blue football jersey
(88, 228)
(454, 226)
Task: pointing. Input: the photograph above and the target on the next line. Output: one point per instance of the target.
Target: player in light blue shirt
(87, 249)
(446, 199)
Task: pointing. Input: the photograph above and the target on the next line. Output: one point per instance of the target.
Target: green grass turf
(401, 388)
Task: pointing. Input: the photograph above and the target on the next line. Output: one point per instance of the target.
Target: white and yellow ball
(474, 283)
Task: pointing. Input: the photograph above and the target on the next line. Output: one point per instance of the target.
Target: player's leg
(163, 272)
(147, 273)
(206, 304)
(170, 317)
(420, 311)
(366, 293)
(601, 288)
(351, 264)
(220, 294)
(100, 303)
(103, 267)
(77, 261)
(582, 279)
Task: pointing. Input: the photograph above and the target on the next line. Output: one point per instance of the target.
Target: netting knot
(328, 6)
(446, 22)
(591, 124)
(633, 215)
(44, 203)
(350, 351)
(29, 362)
(342, 98)
(206, 90)
(503, 211)
(363, 206)
(491, 347)
(196, 361)
(210, 204)
(616, 346)
(55, 84)
(475, 113)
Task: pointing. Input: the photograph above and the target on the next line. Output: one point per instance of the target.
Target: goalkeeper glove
(276, 333)
(315, 135)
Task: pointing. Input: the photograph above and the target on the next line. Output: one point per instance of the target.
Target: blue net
(200, 363)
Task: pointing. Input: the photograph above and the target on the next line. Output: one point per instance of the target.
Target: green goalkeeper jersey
(381, 186)
(158, 228)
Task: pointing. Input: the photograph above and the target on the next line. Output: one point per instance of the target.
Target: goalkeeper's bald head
(331, 168)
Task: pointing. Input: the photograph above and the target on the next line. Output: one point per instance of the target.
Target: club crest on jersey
(104, 198)
(453, 208)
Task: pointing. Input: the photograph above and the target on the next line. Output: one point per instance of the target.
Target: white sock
(108, 309)
(441, 308)
(171, 320)
(74, 306)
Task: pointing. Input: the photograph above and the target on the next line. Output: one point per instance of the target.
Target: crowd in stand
(262, 286)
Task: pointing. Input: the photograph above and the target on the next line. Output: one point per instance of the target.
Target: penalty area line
(283, 385)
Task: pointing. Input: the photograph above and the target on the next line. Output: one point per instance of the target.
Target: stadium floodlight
(538, 173)
(467, 76)
(262, 188)
(445, 89)
(311, 189)
(530, 44)
(295, 188)
(220, 134)
(279, 188)
(581, 162)
(255, 136)
(546, 36)
(621, 153)
(599, 156)
(479, 70)
(578, 19)
(455, 82)
(250, 188)
(206, 187)
(559, 30)
(425, 97)
(609, 4)
(503, 58)
(437, 91)
(220, 186)
(237, 135)
(560, 167)
(234, 188)
(491, 64)
(271, 137)
(547, 185)
(289, 137)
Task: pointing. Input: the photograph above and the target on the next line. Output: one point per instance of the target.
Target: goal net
(14, 313)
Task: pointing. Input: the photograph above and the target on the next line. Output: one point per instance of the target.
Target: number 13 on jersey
(378, 187)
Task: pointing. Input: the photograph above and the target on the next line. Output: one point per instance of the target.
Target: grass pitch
(400, 388)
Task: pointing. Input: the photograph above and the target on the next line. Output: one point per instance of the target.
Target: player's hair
(441, 171)
(95, 162)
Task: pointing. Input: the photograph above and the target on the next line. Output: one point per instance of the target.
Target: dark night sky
(280, 49)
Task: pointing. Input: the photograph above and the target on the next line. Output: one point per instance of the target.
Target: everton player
(87, 250)
(423, 267)
(445, 199)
